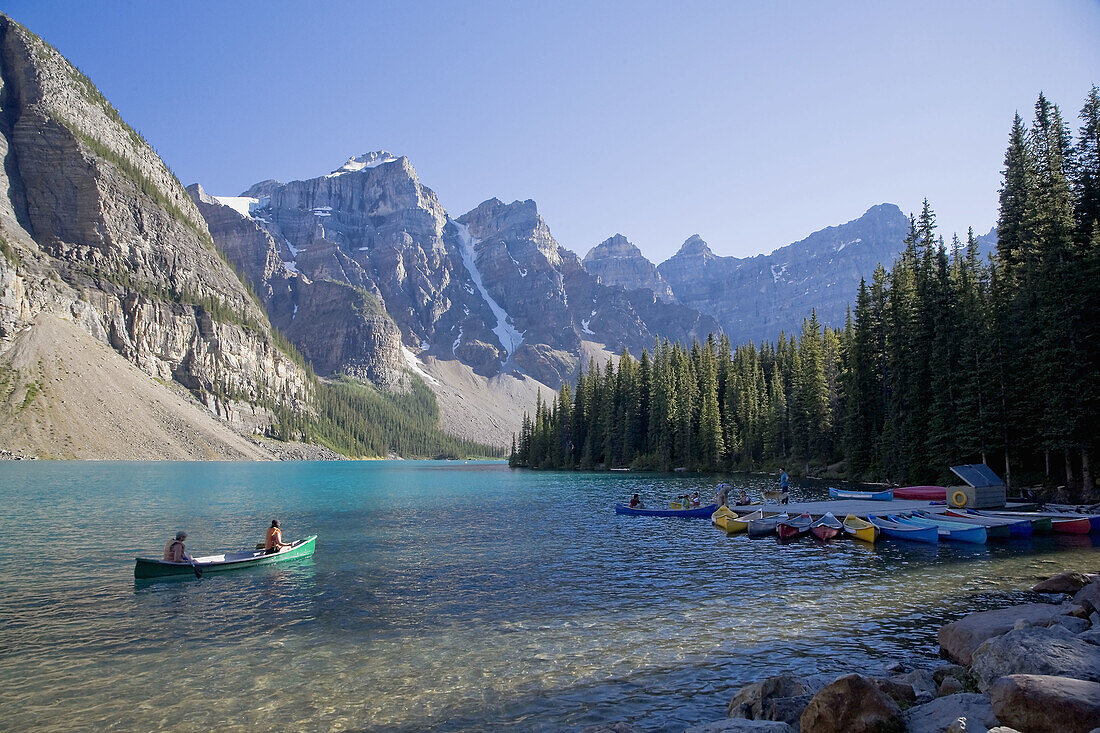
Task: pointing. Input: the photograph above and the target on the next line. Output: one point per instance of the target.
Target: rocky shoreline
(1031, 668)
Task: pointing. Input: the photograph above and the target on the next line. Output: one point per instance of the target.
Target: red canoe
(930, 493)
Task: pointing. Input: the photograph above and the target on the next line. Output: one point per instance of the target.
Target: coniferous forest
(946, 358)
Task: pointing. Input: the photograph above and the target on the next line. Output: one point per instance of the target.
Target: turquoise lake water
(442, 596)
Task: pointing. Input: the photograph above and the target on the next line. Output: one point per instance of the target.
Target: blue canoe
(954, 531)
(900, 531)
(703, 511)
(887, 495)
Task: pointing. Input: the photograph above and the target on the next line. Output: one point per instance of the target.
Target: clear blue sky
(751, 123)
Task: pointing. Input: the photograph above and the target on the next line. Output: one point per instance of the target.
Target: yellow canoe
(740, 524)
(860, 529)
(723, 515)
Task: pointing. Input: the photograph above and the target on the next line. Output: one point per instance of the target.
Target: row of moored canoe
(957, 526)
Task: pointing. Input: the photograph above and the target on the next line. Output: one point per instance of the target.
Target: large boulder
(1090, 595)
(740, 725)
(756, 700)
(1036, 650)
(936, 716)
(959, 639)
(1063, 583)
(1042, 704)
(852, 704)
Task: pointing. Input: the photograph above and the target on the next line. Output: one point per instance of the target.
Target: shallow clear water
(442, 596)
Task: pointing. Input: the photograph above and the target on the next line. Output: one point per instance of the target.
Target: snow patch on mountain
(840, 247)
(414, 364)
(243, 205)
(777, 271)
(364, 161)
(509, 337)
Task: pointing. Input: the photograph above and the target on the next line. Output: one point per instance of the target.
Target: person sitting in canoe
(274, 541)
(175, 551)
(636, 503)
(695, 504)
(744, 498)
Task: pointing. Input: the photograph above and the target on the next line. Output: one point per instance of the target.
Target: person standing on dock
(784, 485)
(723, 494)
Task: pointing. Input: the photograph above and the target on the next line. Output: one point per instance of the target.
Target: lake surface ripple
(442, 596)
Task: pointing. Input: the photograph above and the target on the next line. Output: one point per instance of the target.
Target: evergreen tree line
(356, 420)
(946, 358)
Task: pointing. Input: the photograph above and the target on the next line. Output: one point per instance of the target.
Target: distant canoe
(887, 495)
(922, 493)
(741, 523)
(789, 529)
(146, 567)
(948, 530)
(765, 525)
(827, 527)
(1012, 527)
(703, 511)
(722, 515)
(1039, 524)
(1064, 522)
(898, 531)
(860, 529)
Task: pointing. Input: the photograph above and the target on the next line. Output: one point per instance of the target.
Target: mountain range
(361, 269)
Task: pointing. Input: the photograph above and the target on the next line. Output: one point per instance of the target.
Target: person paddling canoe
(175, 551)
(274, 541)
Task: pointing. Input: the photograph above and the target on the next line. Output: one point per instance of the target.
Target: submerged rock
(1038, 651)
(852, 704)
(1063, 583)
(937, 715)
(959, 639)
(1042, 703)
(741, 725)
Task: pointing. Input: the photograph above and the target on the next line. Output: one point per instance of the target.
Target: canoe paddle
(196, 568)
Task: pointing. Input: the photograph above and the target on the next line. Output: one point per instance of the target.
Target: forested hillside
(945, 359)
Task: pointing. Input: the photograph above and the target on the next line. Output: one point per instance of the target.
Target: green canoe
(146, 567)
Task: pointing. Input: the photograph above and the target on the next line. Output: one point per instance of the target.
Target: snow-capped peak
(366, 160)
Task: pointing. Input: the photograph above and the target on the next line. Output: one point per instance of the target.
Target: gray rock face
(936, 716)
(109, 238)
(1046, 704)
(959, 639)
(755, 298)
(340, 328)
(492, 289)
(1036, 650)
(1089, 597)
(781, 698)
(615, 261)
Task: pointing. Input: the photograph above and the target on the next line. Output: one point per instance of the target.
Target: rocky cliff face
(97, 230)
(491, 289)
(339, 327)
(616, 261)
(755, 298)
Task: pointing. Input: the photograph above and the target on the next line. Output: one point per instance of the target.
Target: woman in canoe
(636, 503)
(175, 551)
(274, 541)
